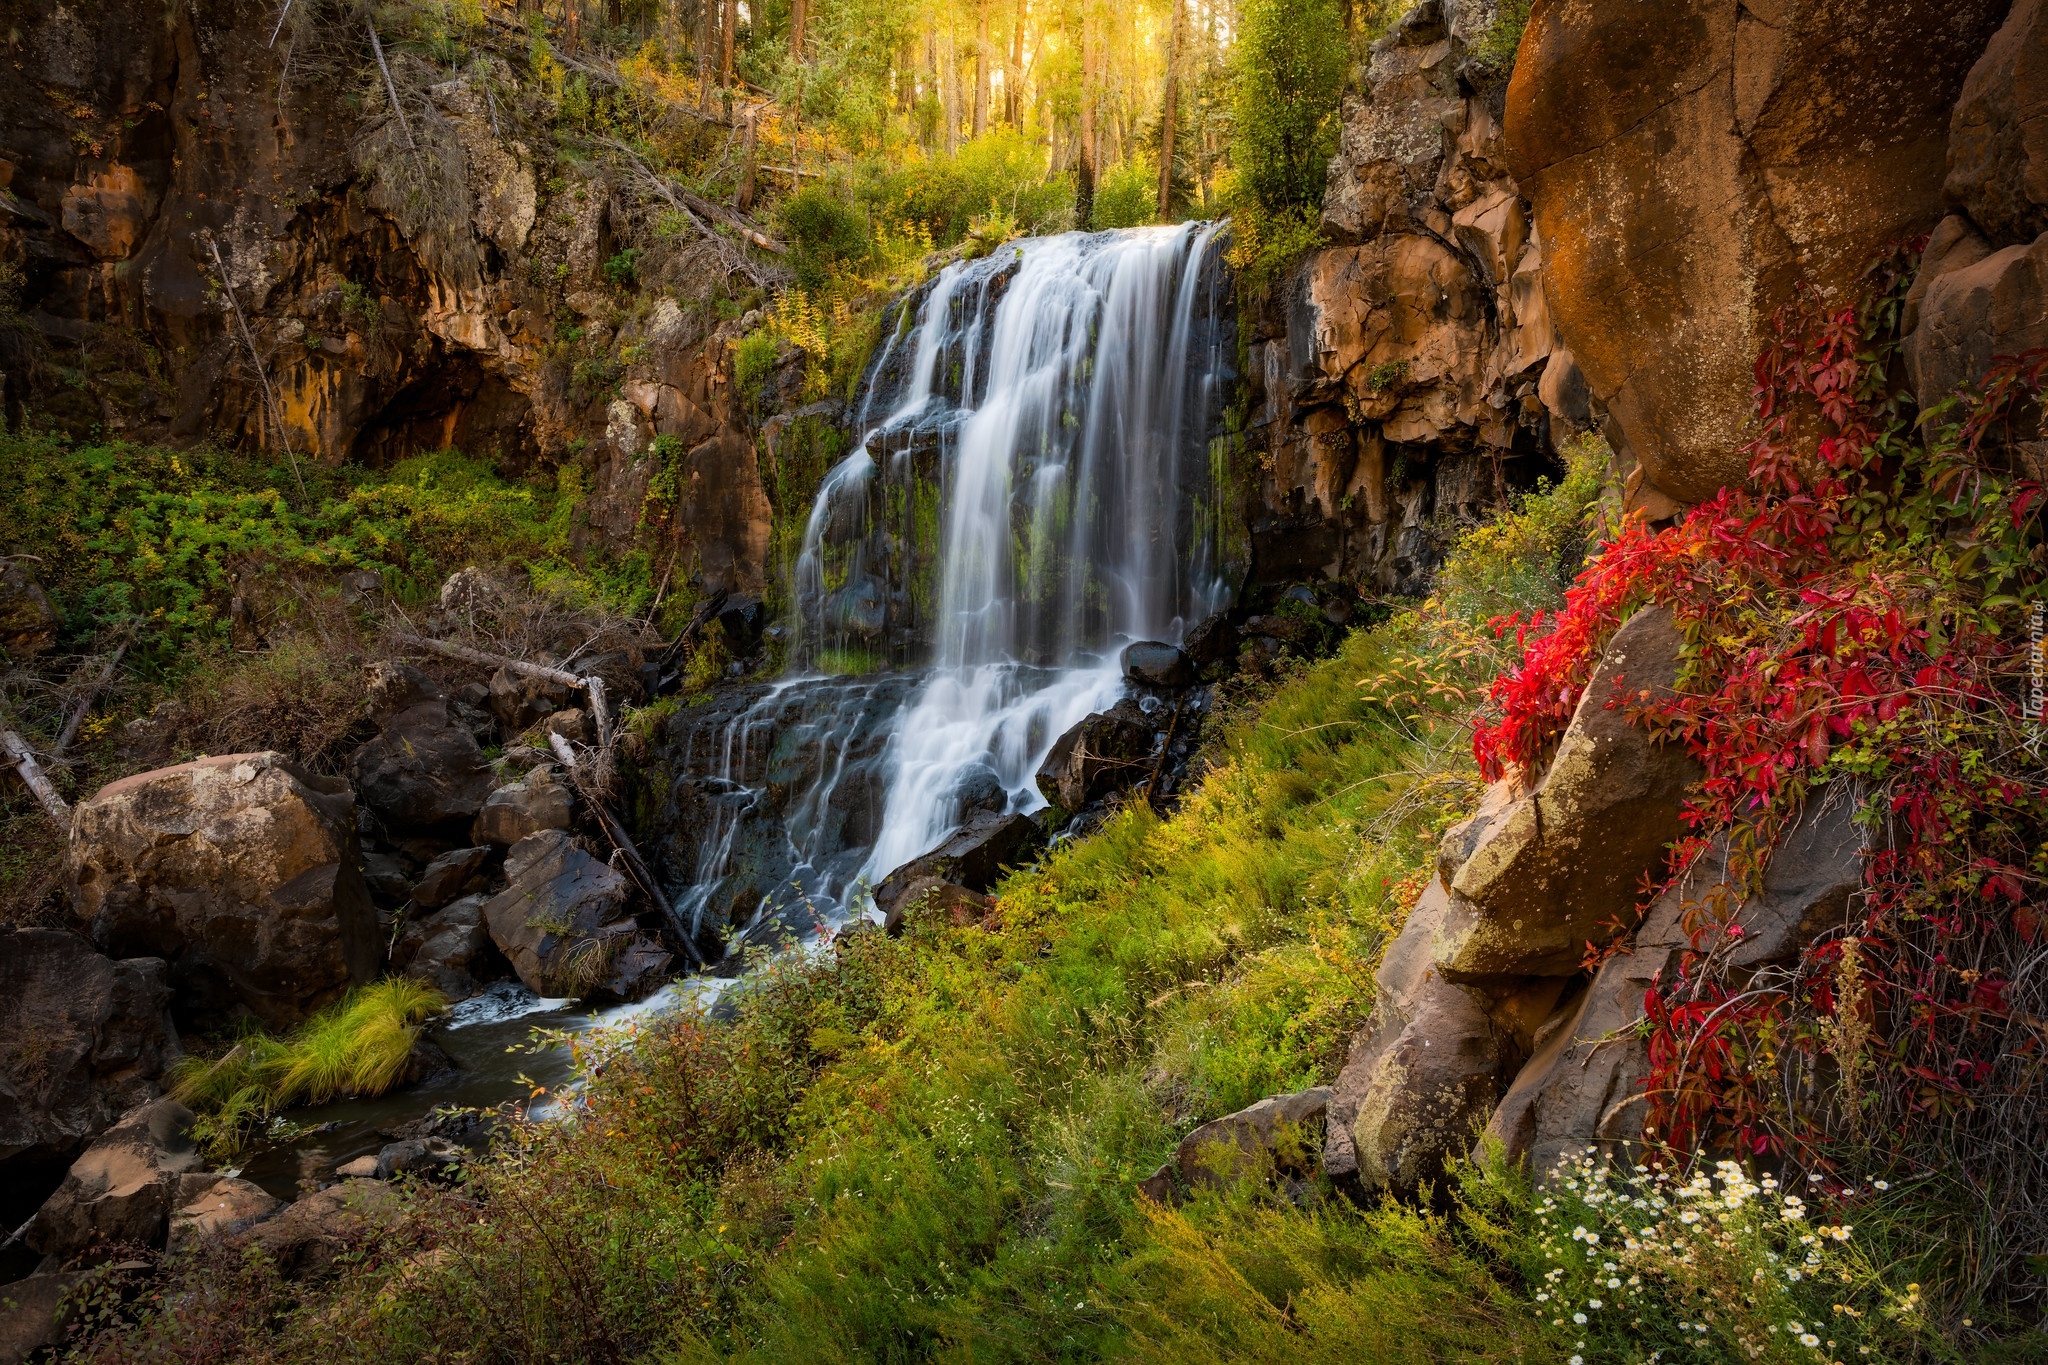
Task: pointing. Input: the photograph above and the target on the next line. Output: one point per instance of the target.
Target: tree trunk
(572, 21)
(799, 14)
(745, 202)
(949, 78)
(732, 22)
(615, 13)
(981, 81)
(1169, 112)
(707, 42)
(1084, 195)
(1013, 75)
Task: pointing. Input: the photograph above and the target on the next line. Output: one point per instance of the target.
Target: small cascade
(1032, 489)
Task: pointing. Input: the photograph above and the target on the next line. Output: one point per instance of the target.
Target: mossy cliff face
(445, 281)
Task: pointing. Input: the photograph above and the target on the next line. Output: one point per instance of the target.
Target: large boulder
(538, 801)
(424, 768)
(122, 1190)
(242, 873)
(223, 1208)
(1279, 1128)
(1103, 753)
(306, 1240)
(561, 921)
(87, 1038)
(1534, 878)
(1584, 1085)
(33, 1314)
(1982, 291)
(1692, 162)
(450, 949)
(973, 857)
(1150, 663)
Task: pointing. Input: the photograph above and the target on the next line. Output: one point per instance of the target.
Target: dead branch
(477, 656)
(623, 842)
(256, 359)
(17, 752)
(390, 86)
(85, 701)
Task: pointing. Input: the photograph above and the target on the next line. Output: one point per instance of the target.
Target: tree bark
(745, 202)
(1169, 112)
(707, 41)
(1084, 195)
(732, 22)
(799, 15)
(949, 80)
(1013, 75)
(573, 20)
(981, 64)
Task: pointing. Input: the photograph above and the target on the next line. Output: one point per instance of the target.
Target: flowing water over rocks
(1033, 489)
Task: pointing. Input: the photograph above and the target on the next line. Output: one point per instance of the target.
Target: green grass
(360, 1046)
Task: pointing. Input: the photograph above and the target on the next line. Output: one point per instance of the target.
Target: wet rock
(637, 970)
(980, 789)
(1287, 1129)
(225, 1207)
(934, 896)
(1537, 877)
(561, 919)
(242, 872)
(1784, 185)
(538, 801)
(1213, 640)
(124, 1187)
(1106, 752)
(28, 623)
(974, 857)
(384, 877)
(86, 1040)
(446, 876)
(410, 1156)
(306, 1239)
(33, 1314)
(424, 768)
(1152, 664)
(743, 617)
(519, 700)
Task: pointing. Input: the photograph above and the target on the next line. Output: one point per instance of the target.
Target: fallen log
(83, 705)
(477, 656)
(23, 758)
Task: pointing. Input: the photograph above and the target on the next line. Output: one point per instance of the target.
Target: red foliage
(1849, 615)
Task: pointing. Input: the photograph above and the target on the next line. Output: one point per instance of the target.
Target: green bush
(623, 269)
(1496, 48)
(824, 232)
(1289, 63)
(1126, 197)
(1002, 173)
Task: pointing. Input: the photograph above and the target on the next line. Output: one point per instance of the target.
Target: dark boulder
(1212, 641)
(974, 857)
(86, 1038)
(562, 922)
(519, 700)
(447, 876)
(33, 1314)
(450, 950)
(980, 789)
(424, 767)
(1152, 664)
(934, 896)
(1106, 752)
(538, 801)
(242, 872)
(743, 617)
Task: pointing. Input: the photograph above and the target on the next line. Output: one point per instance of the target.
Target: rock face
(87, 1038)
(424, 767)
(561, 921)
(406, 299)
(1692, 161)
(1983, 284)
(1522, 888)
(124, 1188)
(538, 801)
(1400, 373)
(240, 872)
(28, 623)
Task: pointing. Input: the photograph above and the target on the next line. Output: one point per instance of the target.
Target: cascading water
(1032, 489)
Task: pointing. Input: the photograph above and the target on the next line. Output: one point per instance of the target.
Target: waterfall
(1031, 490)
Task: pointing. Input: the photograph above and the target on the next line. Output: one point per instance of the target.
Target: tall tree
(732, 23)
(981, 55)
(799, 13)
(1169, 111)
(1084, 191)
(1013, 75)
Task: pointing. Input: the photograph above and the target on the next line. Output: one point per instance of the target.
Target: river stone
(87, 1039)
(561, 917)
(450, 949)
(1105, 752)
(1225, 1149)
(973, 857)
(124, 1188)
(1152, 664)
(242, 872)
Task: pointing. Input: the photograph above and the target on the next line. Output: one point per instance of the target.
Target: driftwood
(477, 656)
(623, 842)
(84, 703)
(17, 752)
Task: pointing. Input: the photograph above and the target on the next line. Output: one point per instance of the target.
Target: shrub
(1289, 64)
(1126, 197)
(1001, 174)
(623, 269)
(824, 232)
(1496, 48)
